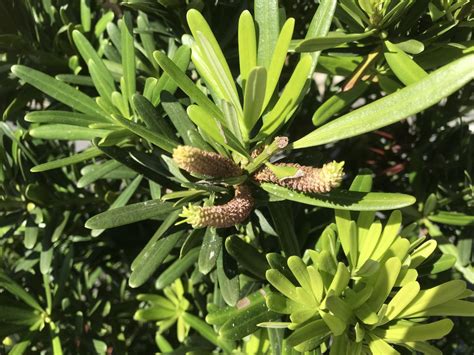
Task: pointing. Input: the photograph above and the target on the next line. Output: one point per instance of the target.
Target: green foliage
(121, 119)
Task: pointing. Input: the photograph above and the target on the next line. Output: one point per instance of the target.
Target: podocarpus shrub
(206, 152)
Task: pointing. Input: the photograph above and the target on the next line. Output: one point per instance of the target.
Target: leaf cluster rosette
(371, 302)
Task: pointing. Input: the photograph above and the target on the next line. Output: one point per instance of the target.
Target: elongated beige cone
(198, 161)
(227, 215)
(308, 179)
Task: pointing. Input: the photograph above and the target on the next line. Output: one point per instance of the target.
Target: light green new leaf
(105, 91)
(247, 46)
(211, 126)
(422, 253)
(268, 22)
(254, 96)
(187, 85)
(402, 299)
(395, 107)
(288, 100)
(386, 278)
(88, 53)
(344, 200)
(434, 296)
(452, 218)
(128, 56)
(390, 232)
(181, 59)
(86, 15)
(402, 65)
(319, 26)
(458, 308)
(58, 90)
(417, 332)
(278, 59)
(197, 23)
(215, 71)
(281, 283)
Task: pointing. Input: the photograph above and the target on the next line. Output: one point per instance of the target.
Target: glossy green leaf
(210, 250)
(181, 59)
(319, 27)
(67, 132)
(147, 112)
(288, 100)
(228, 278)
(98, 172)
(402, 65)
(122, 199)
(247, 256)
(395, 107)
(246, 316)
(155, 138)
(58, 90)
(452, 218)
(207, 332)
(333, 39)
(130, 214)
(62, 117)
(284, 226)
(187, 85)
(339, 102)
(15, 289)
(156, 251)
(345, 200)
(73, 159)
(177, 269)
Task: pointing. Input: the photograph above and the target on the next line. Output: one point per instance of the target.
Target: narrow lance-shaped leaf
(58, 90)
(402, 65)
(268, 22)
(320, 25)
(395, 107)
(332, 40)
(247, 46)
(187, 85)
(278, 59)
(344, 200)
(128, 55)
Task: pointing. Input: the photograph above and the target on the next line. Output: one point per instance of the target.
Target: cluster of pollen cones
(199, 162)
